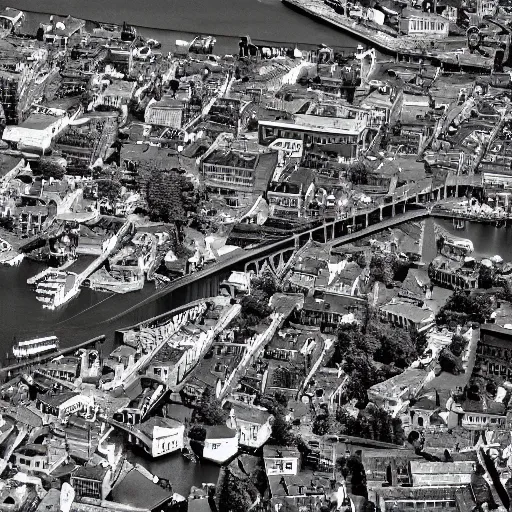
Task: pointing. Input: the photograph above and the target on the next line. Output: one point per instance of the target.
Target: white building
(281, 460)
(164, 435)
(221, 444)
(253, 423)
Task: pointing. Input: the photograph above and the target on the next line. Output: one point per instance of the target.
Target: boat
(202, 44)
(128, 33)
(35, 347)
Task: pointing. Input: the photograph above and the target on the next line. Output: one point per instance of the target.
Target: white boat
(54, 287)
(31, 348)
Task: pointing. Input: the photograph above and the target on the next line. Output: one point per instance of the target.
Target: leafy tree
(282, 433)
(396, 346)
(109, 189)
(256, 306)
(372, 423)
(197, 433)
(358, 173)
(233, 494)
(325, 424)
(457, 345)
(485, 277)
(462, 307)
(354, 474)
(210, 411)
(383, 267)
(449, 362)
(51, 168)
(265, 283)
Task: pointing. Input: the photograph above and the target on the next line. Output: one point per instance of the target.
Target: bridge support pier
(366, 220)
(380, 213)
(325, 235)
(393, 210)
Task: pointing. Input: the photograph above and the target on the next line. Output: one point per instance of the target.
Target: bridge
(408, 205)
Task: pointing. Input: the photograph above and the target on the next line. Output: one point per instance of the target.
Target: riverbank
(268, 22)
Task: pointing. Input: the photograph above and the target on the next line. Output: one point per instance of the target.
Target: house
(407, 315)
(285, 200)
(63, 404)
(65, 368)
(41, 458)
(413, 22)
(92, 481)
(60, 29)
(281, 460)
(393, 393)
(161, 435)
(38, 130)
(327, 310)
(483, 413)
(253, 424)
(116, 94)
(220, 444)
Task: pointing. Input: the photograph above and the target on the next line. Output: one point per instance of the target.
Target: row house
(494, 351)
(408, 316)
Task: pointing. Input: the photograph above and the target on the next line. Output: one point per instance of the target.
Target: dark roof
(91, 472)
(138, 491)
(220, 432)
(249, 413)
(56, 400)
(232, 159)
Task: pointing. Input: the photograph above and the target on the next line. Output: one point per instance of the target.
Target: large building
(238, 177)
(494, 351)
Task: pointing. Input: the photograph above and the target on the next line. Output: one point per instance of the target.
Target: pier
(7, 371)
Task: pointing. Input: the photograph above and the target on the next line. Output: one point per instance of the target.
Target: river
(266, 21)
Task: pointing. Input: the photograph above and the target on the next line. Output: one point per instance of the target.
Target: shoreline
(141, 28)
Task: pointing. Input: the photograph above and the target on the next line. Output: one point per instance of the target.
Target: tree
(485, 277)
(383, 267)
(449, 362)
(354, 474)
(210, 411)
(233, 494)
(282, 434)
(109, 189)
(462, 307)
(265, 283)
(50, 167)
(457, 345)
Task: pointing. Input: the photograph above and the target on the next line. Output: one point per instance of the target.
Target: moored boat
(202, 44)
(35, 347)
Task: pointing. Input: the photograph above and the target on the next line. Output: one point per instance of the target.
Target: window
(215, 446)
(288, 465)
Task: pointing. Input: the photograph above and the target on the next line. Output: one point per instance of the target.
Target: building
(408, 315)
(252, 423)
(281, 460)
(92, 481)
(115, 95)
(67, 368)
(41, 458)
(238, 177)
(220, 444)
(323, 124)
(328, 310)
(414, 22)
(64, 404)
(60, 29)
(161, 435)
(494, 351)
(37, 132)
(136, 490)
(285, 200)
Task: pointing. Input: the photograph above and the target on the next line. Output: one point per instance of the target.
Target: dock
(7, 371)
(400, 45)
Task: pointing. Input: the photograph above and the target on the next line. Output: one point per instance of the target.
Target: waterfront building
(64, 404)
(160, 436)
(414, 22)
(60, 29)
(65, 368)
(220, 444)
(253, 424)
